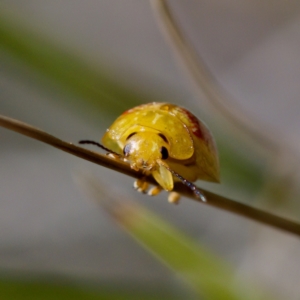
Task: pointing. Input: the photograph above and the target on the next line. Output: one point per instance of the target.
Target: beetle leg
(141, 185)
(174, 197)
(155, 190)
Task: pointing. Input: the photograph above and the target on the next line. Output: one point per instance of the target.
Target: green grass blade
(34, 289)
(206, 273)
(71, 72)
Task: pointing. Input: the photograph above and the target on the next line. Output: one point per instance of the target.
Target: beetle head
(143, 149)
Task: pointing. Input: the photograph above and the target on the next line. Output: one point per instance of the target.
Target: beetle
(166, 141)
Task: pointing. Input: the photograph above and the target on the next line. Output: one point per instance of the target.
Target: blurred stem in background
(281, 184)
(207, 85)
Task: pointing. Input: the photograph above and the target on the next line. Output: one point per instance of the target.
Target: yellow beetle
(166, 141)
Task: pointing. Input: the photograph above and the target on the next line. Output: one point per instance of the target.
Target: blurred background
(71, 67)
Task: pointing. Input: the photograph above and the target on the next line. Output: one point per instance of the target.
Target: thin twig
(49, 139)
(119, 166)
(206, 83)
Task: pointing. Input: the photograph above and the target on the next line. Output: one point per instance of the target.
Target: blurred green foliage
(97, 87)
(207, 275)
(36, 289)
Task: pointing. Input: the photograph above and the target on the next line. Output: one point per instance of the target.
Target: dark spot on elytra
(130, 135)
(163, 137)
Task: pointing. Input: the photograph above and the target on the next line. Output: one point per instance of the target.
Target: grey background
(47, 224)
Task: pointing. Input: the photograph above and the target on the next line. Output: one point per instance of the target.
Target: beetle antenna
(189, 184)
(99, 145)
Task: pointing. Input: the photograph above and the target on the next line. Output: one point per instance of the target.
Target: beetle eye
(126, 149)
(164, 152)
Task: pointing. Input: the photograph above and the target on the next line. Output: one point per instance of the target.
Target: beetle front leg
(174, 197)
(155, 190)
(141, 185)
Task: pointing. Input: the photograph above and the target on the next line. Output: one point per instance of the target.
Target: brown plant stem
(119, 166)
